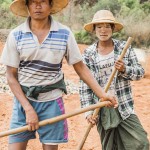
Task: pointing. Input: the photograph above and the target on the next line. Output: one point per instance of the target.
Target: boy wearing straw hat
(33, 54)
(120, 128)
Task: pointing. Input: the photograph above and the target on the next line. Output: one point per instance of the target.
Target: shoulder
(63, 28)
(17, 31)
(119, 43)
(91, 50)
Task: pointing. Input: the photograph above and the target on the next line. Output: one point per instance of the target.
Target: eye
(32, 2)
(99, 27)
(43, 1)
(108, 26)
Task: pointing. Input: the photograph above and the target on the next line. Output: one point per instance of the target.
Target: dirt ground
(77, 124)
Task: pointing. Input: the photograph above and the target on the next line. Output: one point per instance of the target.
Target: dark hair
(50, 2)
(111, 24)
(94, 27)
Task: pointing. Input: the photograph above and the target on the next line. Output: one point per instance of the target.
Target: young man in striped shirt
(33, 54)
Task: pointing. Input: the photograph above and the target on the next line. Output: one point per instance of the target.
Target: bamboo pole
(55, 119)
(96, 111)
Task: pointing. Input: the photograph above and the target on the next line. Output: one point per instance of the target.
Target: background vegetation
(134, 14)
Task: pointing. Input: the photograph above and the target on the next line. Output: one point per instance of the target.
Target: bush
(8, 20)
(83, 37)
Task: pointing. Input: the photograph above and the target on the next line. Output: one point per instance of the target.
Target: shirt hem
(45, 100)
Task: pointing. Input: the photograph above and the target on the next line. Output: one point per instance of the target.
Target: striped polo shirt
(40, 64)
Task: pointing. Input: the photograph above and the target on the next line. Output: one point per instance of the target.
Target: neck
(39, 25)
(108, 43)
(105, 47)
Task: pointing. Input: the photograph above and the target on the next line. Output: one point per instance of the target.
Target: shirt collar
(116, 45)
(26, 26)
(54, 25)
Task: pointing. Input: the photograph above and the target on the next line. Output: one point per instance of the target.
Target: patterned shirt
(123, 92)
(106, 64)
(40, 64)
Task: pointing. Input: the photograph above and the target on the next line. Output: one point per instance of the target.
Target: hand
(120, 66)
(32, 120)
(92, 120)
(112, 99)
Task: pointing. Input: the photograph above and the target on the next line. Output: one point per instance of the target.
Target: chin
(38, 18)
(103, 39)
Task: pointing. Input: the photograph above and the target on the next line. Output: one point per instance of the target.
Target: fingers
(109, 104)
(112, 104)
(32, 120)
(113, 101)
(92, 120)
(33, 126)
(119, 65)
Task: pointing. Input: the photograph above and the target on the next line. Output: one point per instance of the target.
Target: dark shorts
(53, 133)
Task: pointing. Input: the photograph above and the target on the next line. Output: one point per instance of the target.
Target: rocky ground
(77, 124)
(3, 34)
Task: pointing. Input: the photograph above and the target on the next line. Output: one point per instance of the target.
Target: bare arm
(85, 75)
(31, 116)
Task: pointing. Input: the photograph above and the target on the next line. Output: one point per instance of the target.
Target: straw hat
(103, 16)
(18, 7)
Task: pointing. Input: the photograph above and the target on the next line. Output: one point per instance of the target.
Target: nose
(103, 28)
(38, 5)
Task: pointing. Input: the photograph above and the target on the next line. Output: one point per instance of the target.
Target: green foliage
(129, 3)
(87, 11)
(8, 20)
(84, 37)
(120, 35)
(83, 2)
(5, 3)
(113, 5)
(146, 7)
(134, 14)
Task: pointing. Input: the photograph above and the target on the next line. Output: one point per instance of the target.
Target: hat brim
(19, 8)
(90, 26)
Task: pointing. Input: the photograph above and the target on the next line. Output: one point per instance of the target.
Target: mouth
(103, 35)
(38, 13)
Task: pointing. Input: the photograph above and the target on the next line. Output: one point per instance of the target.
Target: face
(104, 31)
(39, 9)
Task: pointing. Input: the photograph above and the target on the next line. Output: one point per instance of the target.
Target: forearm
(17, 91)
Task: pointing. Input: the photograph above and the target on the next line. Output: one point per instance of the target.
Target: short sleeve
(73, 53)
(10, 55)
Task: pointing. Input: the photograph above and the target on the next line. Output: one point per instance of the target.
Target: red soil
(77, 124)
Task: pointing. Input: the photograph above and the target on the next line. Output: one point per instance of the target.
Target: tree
(143, 1)
(82, 2)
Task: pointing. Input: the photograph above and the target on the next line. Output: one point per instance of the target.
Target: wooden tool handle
(56, 119)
